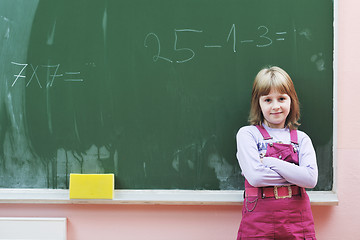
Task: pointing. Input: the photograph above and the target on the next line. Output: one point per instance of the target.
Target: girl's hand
(262, 157)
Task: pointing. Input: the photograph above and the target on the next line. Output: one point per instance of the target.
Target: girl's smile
(275, 108)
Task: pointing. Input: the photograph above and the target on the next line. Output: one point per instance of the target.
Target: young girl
(278, 162)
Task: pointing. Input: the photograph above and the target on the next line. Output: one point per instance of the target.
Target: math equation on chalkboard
(262, 40)
(53, 73)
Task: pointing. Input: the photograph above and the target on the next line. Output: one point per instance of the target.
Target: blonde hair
(274, 78)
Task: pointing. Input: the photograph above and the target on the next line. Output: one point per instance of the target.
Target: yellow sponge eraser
(91, 186)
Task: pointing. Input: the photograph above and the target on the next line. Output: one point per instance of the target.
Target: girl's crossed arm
(256, 173)
(306, 174)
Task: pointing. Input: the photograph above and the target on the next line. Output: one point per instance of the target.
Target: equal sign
(73, 79)
(281, 38)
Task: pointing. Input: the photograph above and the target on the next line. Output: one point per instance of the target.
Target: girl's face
(275, 108)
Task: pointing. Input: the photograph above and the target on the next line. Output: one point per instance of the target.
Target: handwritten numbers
(267, 39)
(262, 39)
(184, 49)
(23, 65)
(232, 30)
(51, 74)
(51, 80)
(156, 56)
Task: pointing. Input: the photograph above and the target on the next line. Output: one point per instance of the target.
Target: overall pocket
(284, 152)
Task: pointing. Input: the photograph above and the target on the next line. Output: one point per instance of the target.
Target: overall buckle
(276, 195)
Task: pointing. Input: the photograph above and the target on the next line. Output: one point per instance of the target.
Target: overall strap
(294, 136)
(266, 135)
(263, 132)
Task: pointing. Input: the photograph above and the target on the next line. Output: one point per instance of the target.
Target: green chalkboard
(152, 90)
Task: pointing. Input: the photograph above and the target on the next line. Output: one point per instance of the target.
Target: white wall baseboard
(32, 228)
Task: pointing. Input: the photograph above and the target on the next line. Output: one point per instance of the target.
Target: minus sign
(212, 46)
(245, 41)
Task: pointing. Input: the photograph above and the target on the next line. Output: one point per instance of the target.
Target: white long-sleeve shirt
(272, 171)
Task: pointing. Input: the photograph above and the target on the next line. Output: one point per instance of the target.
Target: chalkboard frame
(184, 197)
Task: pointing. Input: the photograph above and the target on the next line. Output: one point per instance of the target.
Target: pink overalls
(277, 212)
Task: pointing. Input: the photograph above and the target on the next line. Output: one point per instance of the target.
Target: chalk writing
(212, 46)
(72, 76)
(53, 74)
(264, 36)
(34, 74)
(157, 55)
(280, 38)
(262, 40)
(232, 30)
(23, 65)
(184, 49)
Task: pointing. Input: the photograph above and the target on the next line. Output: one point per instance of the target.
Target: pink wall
(156, 222)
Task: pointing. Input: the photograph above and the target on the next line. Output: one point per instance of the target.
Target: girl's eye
(267, 100)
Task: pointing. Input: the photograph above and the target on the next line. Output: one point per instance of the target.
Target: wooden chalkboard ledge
(167, 197)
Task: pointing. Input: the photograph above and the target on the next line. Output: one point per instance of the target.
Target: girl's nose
(276, 105)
